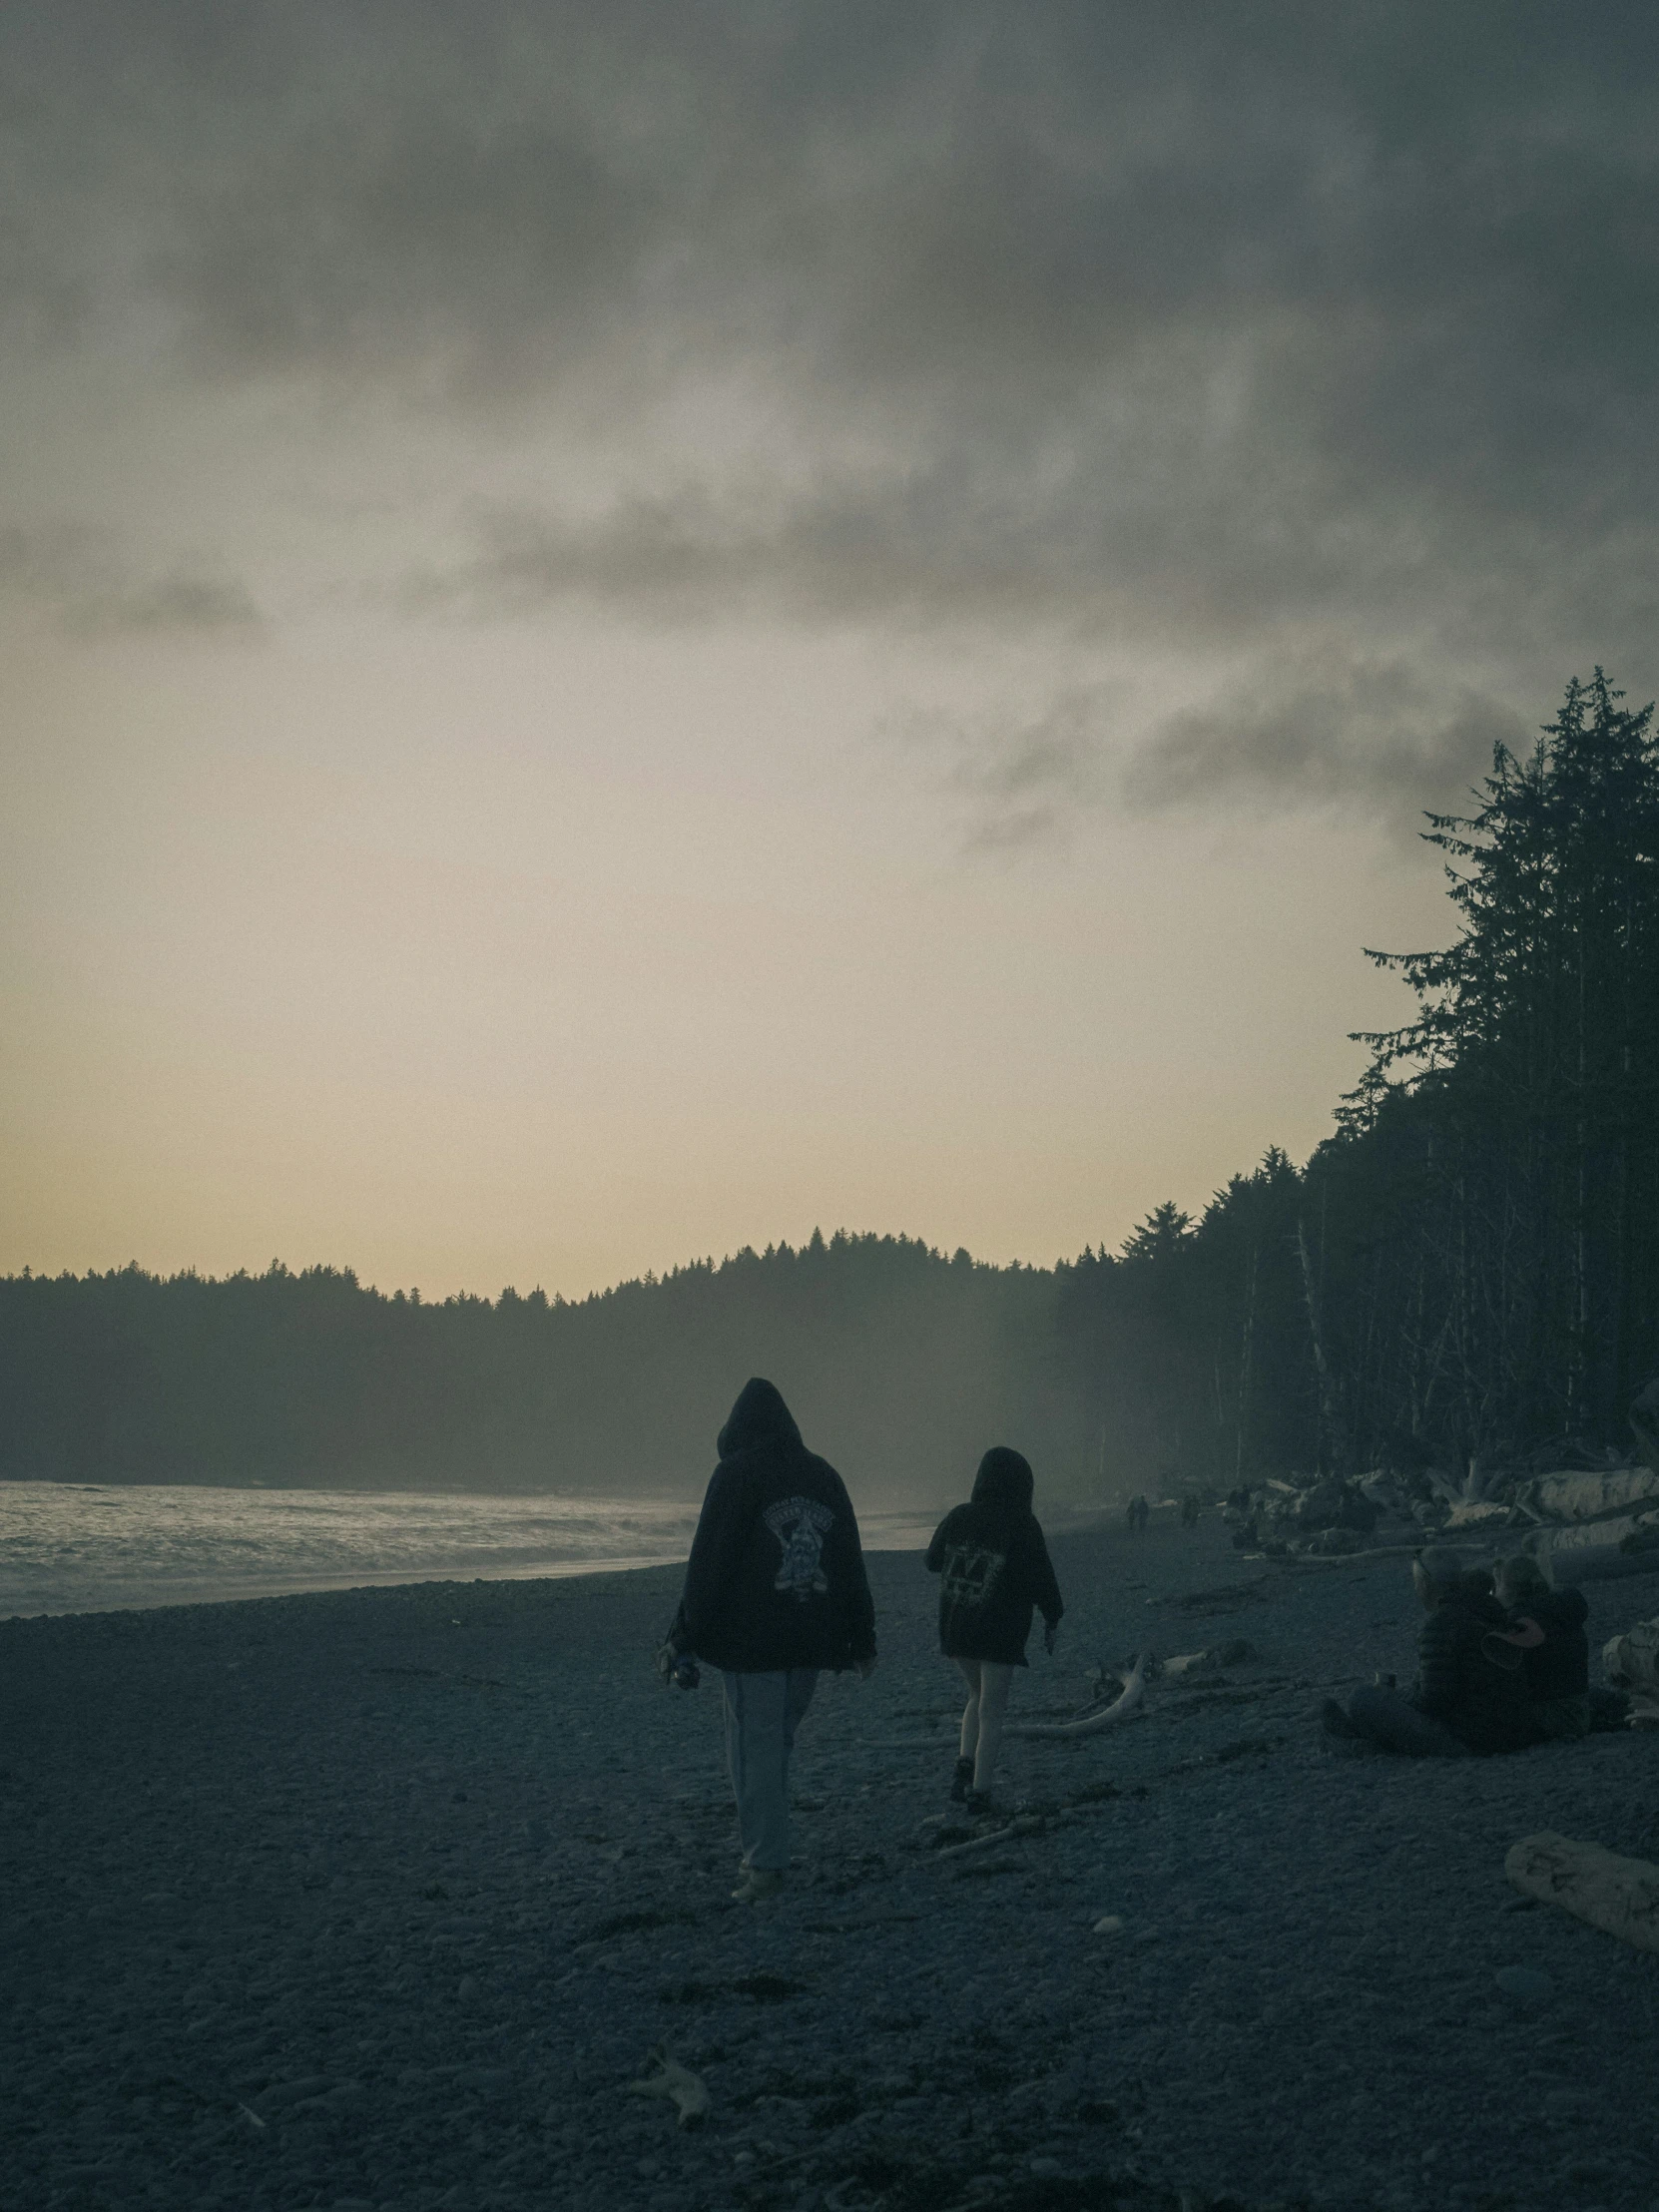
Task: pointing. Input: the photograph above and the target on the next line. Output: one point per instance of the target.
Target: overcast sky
(632, 628)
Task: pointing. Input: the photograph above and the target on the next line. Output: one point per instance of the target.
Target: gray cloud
(217, 605)
(1321, 732)
(1240, 327)
(1021, 782)
(80, 582)
(1371, 734)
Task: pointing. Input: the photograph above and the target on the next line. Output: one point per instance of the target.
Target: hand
(866, 1667)
(666, 1658)
(1051, 1631)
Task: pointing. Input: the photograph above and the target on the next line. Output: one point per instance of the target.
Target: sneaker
(758, 1883)
(962, 1782)
(980, 1803)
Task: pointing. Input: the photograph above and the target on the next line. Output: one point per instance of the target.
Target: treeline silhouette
(898, 1362)
(1469, 1267)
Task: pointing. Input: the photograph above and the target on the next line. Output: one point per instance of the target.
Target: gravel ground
(381, 1899)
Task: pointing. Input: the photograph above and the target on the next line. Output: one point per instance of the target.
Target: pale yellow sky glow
(471, 958)
(629, 631)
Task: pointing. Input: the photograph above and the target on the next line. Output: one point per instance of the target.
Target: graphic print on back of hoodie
(800, 1525)
(970, 1573)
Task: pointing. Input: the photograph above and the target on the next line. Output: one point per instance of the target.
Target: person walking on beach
(775, 1592)
(994, 1567)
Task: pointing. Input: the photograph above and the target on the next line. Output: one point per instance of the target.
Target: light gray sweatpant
(763, 1711)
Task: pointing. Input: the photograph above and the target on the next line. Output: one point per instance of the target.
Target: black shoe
(961, 1782)
(978, 1803)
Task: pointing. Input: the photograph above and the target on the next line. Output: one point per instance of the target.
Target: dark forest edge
(1468, 1268)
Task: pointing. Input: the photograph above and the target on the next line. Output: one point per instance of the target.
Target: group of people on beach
(776, 1592)
(1502, 1663)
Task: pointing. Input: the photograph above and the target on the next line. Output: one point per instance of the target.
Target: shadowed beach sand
(384, 1898)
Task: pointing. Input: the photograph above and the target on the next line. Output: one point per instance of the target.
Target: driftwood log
(1618, 1895)
(1632, 1660)
(1566, 1565)
(1122, 1708)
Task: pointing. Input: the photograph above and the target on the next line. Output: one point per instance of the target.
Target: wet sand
(384, 1898)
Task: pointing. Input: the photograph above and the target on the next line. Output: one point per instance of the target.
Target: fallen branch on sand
(1297, 1559)
(1236, 1652)
(1620, 1895)
(1027, 1824)
(688, 2090)
(1122, 1708)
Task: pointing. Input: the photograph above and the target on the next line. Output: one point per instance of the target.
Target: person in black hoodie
(1470, 1693)
(1549, 1627)
(775, 1592)
(993, 1567)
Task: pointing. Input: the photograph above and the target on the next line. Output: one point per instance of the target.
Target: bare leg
(994, 1679)
(970, 1712)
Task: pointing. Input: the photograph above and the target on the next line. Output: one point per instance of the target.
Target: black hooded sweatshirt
(776, 1577)
(993, 1567)
(1560, 1665)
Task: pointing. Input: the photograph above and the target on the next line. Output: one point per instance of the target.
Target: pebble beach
(386, 1897)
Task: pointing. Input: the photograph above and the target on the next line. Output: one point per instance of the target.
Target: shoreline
(251, 1589)
(110, 1590)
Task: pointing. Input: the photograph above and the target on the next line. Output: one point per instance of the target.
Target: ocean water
(85, 1548)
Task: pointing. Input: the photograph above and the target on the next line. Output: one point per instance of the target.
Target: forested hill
(1469, 1267)
(901, 1365)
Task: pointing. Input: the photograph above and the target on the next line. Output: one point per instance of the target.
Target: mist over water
(85, 1548)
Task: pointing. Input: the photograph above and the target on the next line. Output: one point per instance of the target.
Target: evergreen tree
(1533, 1066)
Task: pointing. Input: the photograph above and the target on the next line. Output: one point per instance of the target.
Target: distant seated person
(1471, 1693)
(1549, 1627)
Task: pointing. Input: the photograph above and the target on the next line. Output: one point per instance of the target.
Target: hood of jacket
(1558, 1609)
(759, 1416)
(1004, 1478)
(1468, 1597)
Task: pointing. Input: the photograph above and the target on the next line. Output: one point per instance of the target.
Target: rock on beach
(385, 1898)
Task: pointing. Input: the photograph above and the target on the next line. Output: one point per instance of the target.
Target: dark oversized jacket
(1560, 1665)
(776, 1577)
(1484, 1701)
(993, 1567)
